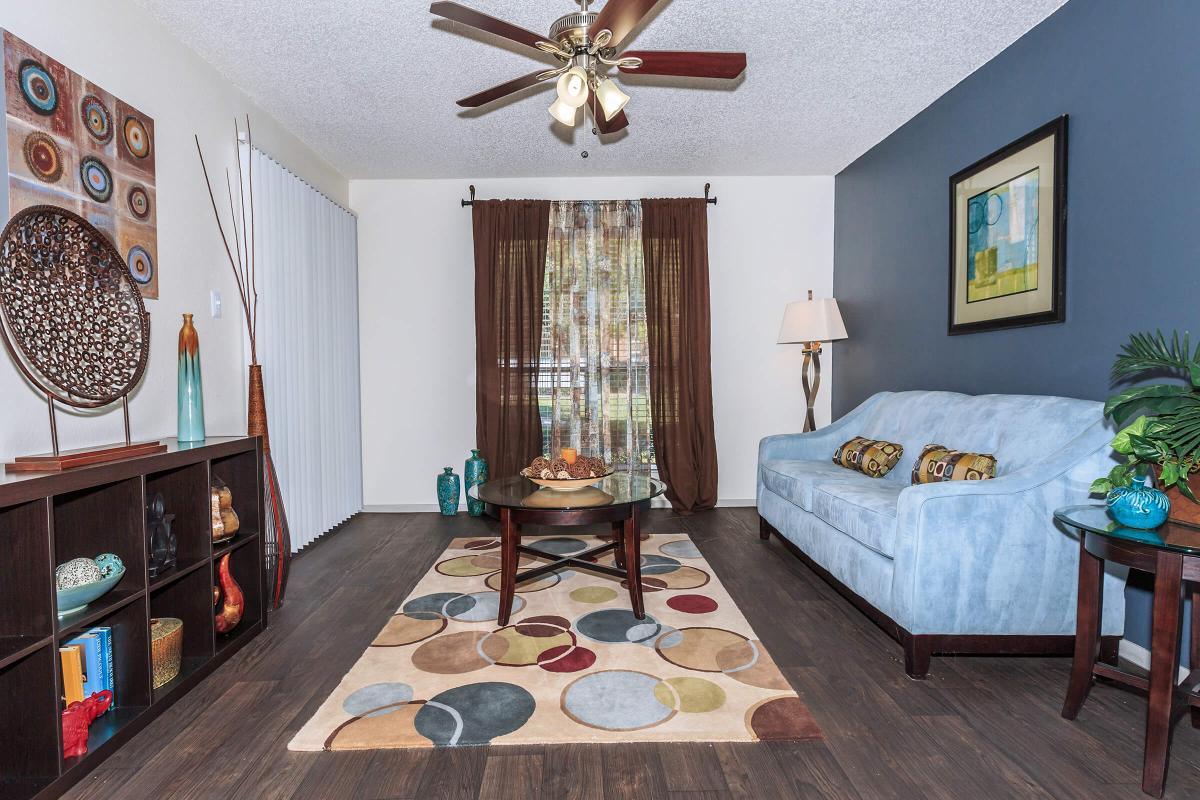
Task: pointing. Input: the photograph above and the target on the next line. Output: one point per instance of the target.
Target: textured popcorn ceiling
(371, 84)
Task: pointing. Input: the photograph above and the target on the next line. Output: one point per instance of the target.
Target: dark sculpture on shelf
(74, 323)
(162, 545)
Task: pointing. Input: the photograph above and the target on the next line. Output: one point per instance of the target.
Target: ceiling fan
(586, 42)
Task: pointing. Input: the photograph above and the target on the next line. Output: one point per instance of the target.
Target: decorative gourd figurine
(225, 522)
(234, 604)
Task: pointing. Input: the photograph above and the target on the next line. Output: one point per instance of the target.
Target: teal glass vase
(447, 492)
(475, 472)
(191, 389)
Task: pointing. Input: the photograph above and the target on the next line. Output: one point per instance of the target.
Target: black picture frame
(1056, 128)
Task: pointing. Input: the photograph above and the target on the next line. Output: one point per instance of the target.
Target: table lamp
(810, 322)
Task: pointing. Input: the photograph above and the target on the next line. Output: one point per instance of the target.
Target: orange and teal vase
(191, 391)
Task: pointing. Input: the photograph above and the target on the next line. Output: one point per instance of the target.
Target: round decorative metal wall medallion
(70, 314)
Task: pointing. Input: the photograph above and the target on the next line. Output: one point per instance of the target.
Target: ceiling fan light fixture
(611, 98)
(573, 87)
(564, 112)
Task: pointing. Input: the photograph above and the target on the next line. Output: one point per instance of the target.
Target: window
(594, 369)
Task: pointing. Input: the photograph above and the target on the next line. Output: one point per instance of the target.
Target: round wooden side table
(1172, 553)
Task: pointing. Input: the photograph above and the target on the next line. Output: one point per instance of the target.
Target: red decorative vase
(234, 600)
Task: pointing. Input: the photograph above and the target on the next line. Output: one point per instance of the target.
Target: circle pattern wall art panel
(76, 146)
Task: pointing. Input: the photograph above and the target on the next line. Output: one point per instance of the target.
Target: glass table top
(620, 488)
(1168, 536)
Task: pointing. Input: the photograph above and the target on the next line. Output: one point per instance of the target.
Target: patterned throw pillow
(939, 463)
(872, 457)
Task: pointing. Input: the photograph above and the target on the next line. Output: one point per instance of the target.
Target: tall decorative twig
(247, 294)
(242, 262)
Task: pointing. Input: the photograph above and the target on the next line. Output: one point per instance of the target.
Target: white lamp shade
(812, 321)
(563, 112)
(573, 87)
(611, 98)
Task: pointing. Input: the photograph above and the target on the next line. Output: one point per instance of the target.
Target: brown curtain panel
(675, 254)
(510, 269)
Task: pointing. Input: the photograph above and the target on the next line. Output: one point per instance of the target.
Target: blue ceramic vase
(1138, 506)
(191, 390)
(447, 489)
(475, 472)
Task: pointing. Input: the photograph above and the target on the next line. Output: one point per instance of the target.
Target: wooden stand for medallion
(85, 457)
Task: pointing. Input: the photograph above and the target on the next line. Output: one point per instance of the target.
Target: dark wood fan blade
(686, 63)
(496, 92)
(620, 17)
(477, 19)
(619, 122)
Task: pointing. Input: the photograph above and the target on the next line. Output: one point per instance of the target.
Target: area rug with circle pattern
(574, 664)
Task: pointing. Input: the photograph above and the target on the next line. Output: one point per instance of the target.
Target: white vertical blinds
(306, 256)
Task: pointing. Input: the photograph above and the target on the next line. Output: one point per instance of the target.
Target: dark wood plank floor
(979, 727)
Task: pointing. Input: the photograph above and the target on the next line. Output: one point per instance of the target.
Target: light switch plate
(214, 297)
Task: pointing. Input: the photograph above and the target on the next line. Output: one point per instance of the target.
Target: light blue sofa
(958, 566)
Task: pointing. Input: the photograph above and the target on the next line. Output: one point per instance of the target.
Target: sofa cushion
(793, 480)
(940, 463)
(872, 457)
(866, 512)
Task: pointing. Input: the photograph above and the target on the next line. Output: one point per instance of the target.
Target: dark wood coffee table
(618, 499)
(1172, 553)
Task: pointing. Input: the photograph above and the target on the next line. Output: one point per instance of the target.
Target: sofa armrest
(817, 445)
(980, 557)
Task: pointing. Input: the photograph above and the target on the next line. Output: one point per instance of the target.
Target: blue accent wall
(1128, 74)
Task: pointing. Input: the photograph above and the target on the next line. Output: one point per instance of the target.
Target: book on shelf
(93, 669)
(71, 657)
(106, 655)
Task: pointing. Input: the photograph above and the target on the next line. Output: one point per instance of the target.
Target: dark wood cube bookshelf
(47, 519)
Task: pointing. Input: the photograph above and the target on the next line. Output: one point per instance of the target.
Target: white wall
(117, 46)
(770, 240)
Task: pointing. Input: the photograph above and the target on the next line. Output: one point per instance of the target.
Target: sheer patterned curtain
(594, 376)
(306, 253)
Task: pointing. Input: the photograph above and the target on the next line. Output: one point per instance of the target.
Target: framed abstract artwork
(1008, 235)
(69, 143)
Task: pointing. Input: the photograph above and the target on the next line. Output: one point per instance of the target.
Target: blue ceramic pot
(447, 490)
(475, 472)
(1138, 506)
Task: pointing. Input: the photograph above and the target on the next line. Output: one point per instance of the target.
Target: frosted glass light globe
(572, 87)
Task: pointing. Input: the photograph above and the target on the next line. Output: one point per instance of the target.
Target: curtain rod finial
(707, 199)
(470, 202)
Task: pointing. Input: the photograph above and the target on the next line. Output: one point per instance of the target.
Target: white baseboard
(1136, 654)
(407, 508)
(737, 502)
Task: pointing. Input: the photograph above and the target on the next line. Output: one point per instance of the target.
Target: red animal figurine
(78, 717)
(230, 613)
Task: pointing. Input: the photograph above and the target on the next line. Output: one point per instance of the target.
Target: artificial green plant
(1166, 435)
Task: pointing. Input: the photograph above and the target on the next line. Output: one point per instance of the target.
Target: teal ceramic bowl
(78, 597)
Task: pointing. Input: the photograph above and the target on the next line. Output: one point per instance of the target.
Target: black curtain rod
(707, 187)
